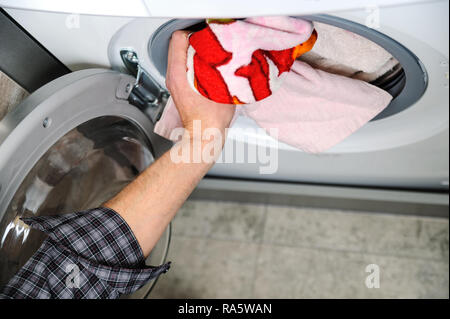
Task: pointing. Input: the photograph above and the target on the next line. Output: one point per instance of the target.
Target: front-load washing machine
(79, 139)
(406, 146)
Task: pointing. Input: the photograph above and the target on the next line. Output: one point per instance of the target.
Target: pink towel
(343, 52)
(312, 109)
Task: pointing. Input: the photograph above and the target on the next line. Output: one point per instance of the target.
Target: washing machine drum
(70, 146)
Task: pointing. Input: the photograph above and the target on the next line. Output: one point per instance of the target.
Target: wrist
(205, 132)
(199, 146)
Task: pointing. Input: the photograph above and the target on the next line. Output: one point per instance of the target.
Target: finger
(177, 55)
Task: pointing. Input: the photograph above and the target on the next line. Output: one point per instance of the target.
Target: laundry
(314, 110)
(310, 108)
(244, 61)
(342, 52)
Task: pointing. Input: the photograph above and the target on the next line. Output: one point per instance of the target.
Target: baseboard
(404, 202)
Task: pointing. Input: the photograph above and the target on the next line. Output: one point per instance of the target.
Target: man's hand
(191, 105)
(149, 203)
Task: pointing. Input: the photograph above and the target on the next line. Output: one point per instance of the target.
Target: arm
(98, 243)
(150, 202)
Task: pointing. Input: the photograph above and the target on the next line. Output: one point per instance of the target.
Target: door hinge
(146, 93)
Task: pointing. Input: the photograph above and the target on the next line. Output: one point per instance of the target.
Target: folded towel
(312, 110)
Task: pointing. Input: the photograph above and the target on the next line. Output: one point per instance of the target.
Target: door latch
(146, 94)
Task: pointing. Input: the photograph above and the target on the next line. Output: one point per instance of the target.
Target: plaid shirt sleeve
(88, 254)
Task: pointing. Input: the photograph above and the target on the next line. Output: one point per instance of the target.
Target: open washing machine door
(70, 146)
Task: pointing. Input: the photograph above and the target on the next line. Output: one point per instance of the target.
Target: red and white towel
(241, 62)
(253, 62)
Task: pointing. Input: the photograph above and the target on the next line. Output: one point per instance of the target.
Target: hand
(190, 104)
(150, 202)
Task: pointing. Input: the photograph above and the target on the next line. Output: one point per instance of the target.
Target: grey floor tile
(220, 220)
(292, 272)
(362, 232)
(208, 268)
(11, 94)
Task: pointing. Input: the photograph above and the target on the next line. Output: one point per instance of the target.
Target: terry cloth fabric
(88, 254)
(346, 53)
(313, 110)
(238, 62)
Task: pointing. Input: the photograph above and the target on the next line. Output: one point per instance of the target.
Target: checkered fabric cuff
(88, 254)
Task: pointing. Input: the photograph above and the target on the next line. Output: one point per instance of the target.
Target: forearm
(149, 203)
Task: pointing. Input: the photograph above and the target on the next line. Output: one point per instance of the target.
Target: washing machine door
(71, 145)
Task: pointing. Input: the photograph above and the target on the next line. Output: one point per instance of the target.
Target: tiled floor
(234, 250)
(10, 94)
(231, 250)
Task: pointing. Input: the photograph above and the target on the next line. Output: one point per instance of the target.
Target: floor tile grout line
(257, 242)
(258, 251)
(210, 234)
(380, 214)
(317, 248)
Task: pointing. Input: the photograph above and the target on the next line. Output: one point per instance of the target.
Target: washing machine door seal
(64, 114)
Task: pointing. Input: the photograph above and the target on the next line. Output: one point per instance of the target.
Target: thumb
(177, 58)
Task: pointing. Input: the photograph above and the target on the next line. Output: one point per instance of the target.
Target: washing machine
(406, 146)
(96, 123)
